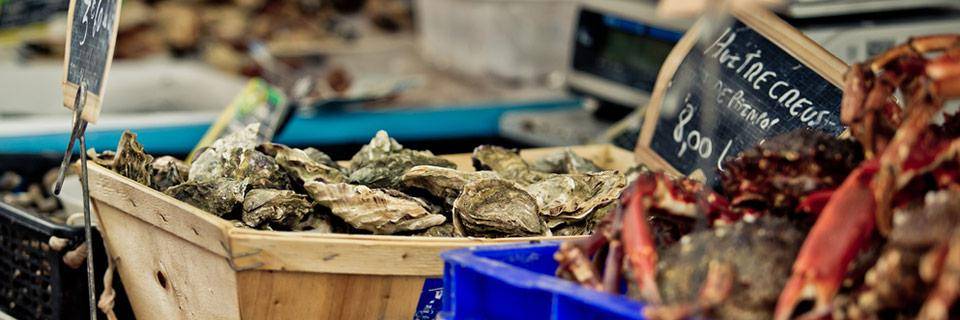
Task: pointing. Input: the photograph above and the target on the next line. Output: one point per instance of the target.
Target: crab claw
(637, 238)
(844, 226)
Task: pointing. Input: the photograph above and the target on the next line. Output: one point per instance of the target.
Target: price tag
(726, 87)
(91, 37)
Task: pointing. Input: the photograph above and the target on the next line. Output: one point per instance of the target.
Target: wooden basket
(179, 262)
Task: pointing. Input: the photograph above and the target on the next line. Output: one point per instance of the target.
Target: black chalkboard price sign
(728, 86)
(91, 35)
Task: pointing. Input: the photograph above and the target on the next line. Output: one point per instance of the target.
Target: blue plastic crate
(518, 282)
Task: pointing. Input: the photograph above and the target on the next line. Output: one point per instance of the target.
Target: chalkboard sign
(728, 86)
(91, 35)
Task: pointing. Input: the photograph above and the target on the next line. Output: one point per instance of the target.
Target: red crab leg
(945, 72)
(574, 259)
(613, 266)
(637, 238)
(844, 226)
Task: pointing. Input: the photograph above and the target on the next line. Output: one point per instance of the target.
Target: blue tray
(518, 282)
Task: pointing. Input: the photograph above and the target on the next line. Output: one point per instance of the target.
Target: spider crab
(657, 210)
(906, 158)
(909, 158)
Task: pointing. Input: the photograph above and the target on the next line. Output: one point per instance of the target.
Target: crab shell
(776, 175)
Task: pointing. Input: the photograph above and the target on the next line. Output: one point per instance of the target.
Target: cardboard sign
(91, 35)
(728, 86)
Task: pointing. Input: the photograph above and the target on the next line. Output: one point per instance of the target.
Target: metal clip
(78, 129)
(77, 133)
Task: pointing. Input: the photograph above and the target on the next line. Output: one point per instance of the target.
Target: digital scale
(618, 47)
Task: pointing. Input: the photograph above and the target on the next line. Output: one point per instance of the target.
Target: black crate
(34, 281)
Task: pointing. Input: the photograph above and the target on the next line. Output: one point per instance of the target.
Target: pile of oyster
(386, 189)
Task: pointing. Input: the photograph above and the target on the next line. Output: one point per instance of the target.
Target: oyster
(565, 161)
(168, 172)
(443, 230)
(300, 164)
(380, 146)
(261, 170)
(131, 161)
(382, 162)
(323, 158)
(507, 163)
(317, 223)
(381, 211)
(583, 226)
(574, 196)
(442, 182)
(279, 208)
(233, 157)
(217, 197)
(10, 180)
(496, 208)
(104, 159)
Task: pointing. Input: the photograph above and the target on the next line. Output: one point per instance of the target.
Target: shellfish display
(384, 189)
(806, 225)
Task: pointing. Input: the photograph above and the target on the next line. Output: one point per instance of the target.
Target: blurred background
(443, 75)
(439, 75)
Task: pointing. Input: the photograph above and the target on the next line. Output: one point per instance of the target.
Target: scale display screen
(620, 50)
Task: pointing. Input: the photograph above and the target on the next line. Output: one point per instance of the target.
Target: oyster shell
(261, 170)
(583, 226)
(279, 208)
(442, 182)
(574, 196)
(323, 158)
(217, 197)
(167, 172)
(317, 223)
(104, 159)
(565, 161)
(305, 167)
(379, 146)
(382, 162)
(131, 161)
(443, 230)
(496, 208)
(381, 211)
(507, 163)
(234, 157)
(10, 180)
